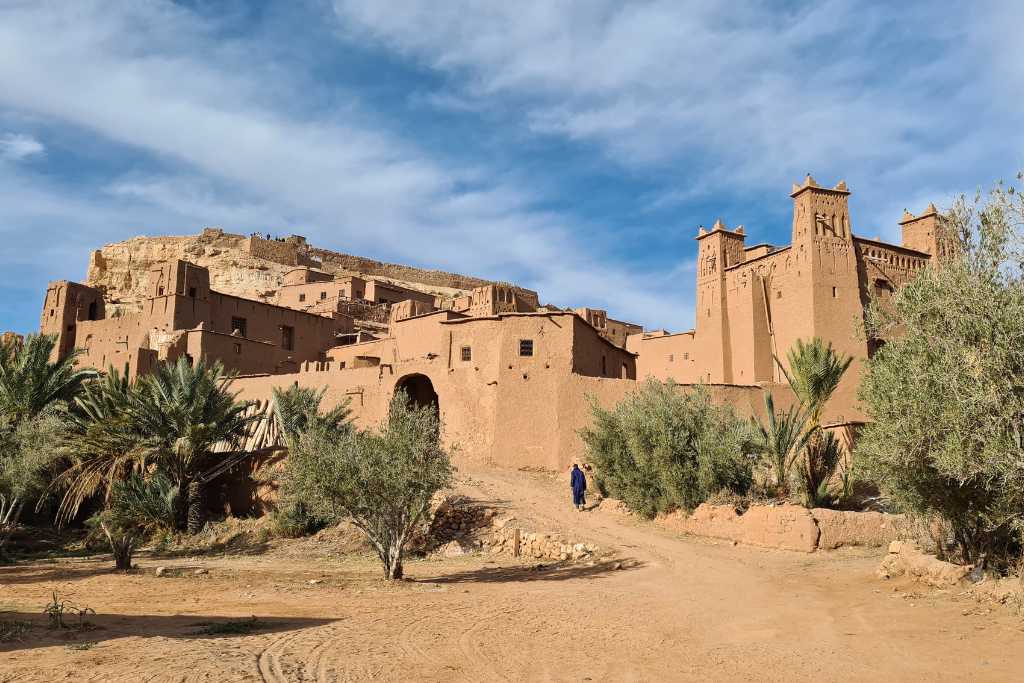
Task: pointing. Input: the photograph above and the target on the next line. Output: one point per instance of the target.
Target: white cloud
(17, 147)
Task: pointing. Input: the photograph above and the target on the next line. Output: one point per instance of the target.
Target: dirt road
(680, 609)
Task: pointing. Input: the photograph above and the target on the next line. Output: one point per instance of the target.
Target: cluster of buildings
(511, 378)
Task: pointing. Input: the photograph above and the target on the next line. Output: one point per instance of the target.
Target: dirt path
(681, 609)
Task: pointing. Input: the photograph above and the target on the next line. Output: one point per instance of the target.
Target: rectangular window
(835, 292)
(323, 295)
(526, 347)
(302, 297)
(287, 337)
(686, 356)
(671, 357)
(238, 348)
(467, 353)
(239, 325)
(92, 311)
(160, 291)
(778, 294)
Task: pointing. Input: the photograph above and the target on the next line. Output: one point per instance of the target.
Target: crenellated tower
(927, 233)
(717, 250)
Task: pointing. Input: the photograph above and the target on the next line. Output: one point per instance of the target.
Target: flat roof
(758, 258)
(897, 247)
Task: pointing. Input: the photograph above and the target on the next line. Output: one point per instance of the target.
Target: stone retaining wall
(788, 527)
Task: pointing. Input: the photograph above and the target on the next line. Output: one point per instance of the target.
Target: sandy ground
(679, 609)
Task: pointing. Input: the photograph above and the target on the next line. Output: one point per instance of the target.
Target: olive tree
(662, 448)
(945, 393)
(382, 481)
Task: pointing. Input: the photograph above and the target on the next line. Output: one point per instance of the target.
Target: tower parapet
(927, 233)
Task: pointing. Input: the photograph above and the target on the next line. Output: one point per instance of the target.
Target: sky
(570, 147)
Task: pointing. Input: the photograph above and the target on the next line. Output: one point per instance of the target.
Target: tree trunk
(393, 562)
(196, 513)
(123, 554)
(122, 545)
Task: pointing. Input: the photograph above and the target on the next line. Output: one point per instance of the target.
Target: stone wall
(787, 527)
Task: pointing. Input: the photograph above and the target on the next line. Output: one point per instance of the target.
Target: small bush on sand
(381, 481)
(137, 507)
(662, 448)
(946, 392)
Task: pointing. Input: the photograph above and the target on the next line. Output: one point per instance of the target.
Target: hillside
(251, 266)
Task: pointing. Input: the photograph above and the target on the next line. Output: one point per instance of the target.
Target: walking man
(578, 482)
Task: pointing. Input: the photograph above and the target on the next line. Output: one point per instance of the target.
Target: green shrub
(663, 448)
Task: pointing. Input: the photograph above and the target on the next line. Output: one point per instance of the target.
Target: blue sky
(572, 147)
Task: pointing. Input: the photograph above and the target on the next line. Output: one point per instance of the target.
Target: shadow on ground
(555, 571)
(103, 627)
(40, 571)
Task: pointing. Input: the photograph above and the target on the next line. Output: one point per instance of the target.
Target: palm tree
(137, 506)
(298, 409)
(182, 410)
(104, 444)
(783, 437)
(815, 370)
(29, 382)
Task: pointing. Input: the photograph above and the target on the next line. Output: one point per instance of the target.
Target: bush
(382, 481)
(663, 448)
(946, 392)
(292, 520)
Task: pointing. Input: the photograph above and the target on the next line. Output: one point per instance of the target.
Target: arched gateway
(420, 389)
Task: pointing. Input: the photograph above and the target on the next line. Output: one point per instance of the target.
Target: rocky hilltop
(251, 267)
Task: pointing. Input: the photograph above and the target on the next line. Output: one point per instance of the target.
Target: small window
(71, 328)
(323, 295)
(778, 294)
(189, 359)
(604, 365)
(192, 292)
(302, 297)
(671, 357)
(526, 347)
(238, 348)
(92, 311)
(467, 353)
(239, 325)
(686, 356)
(160, 291)
(835, 292)
(287, 337)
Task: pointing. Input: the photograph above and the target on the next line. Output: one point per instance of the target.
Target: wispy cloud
(643, 118)
(17, 146)
(739, 97)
